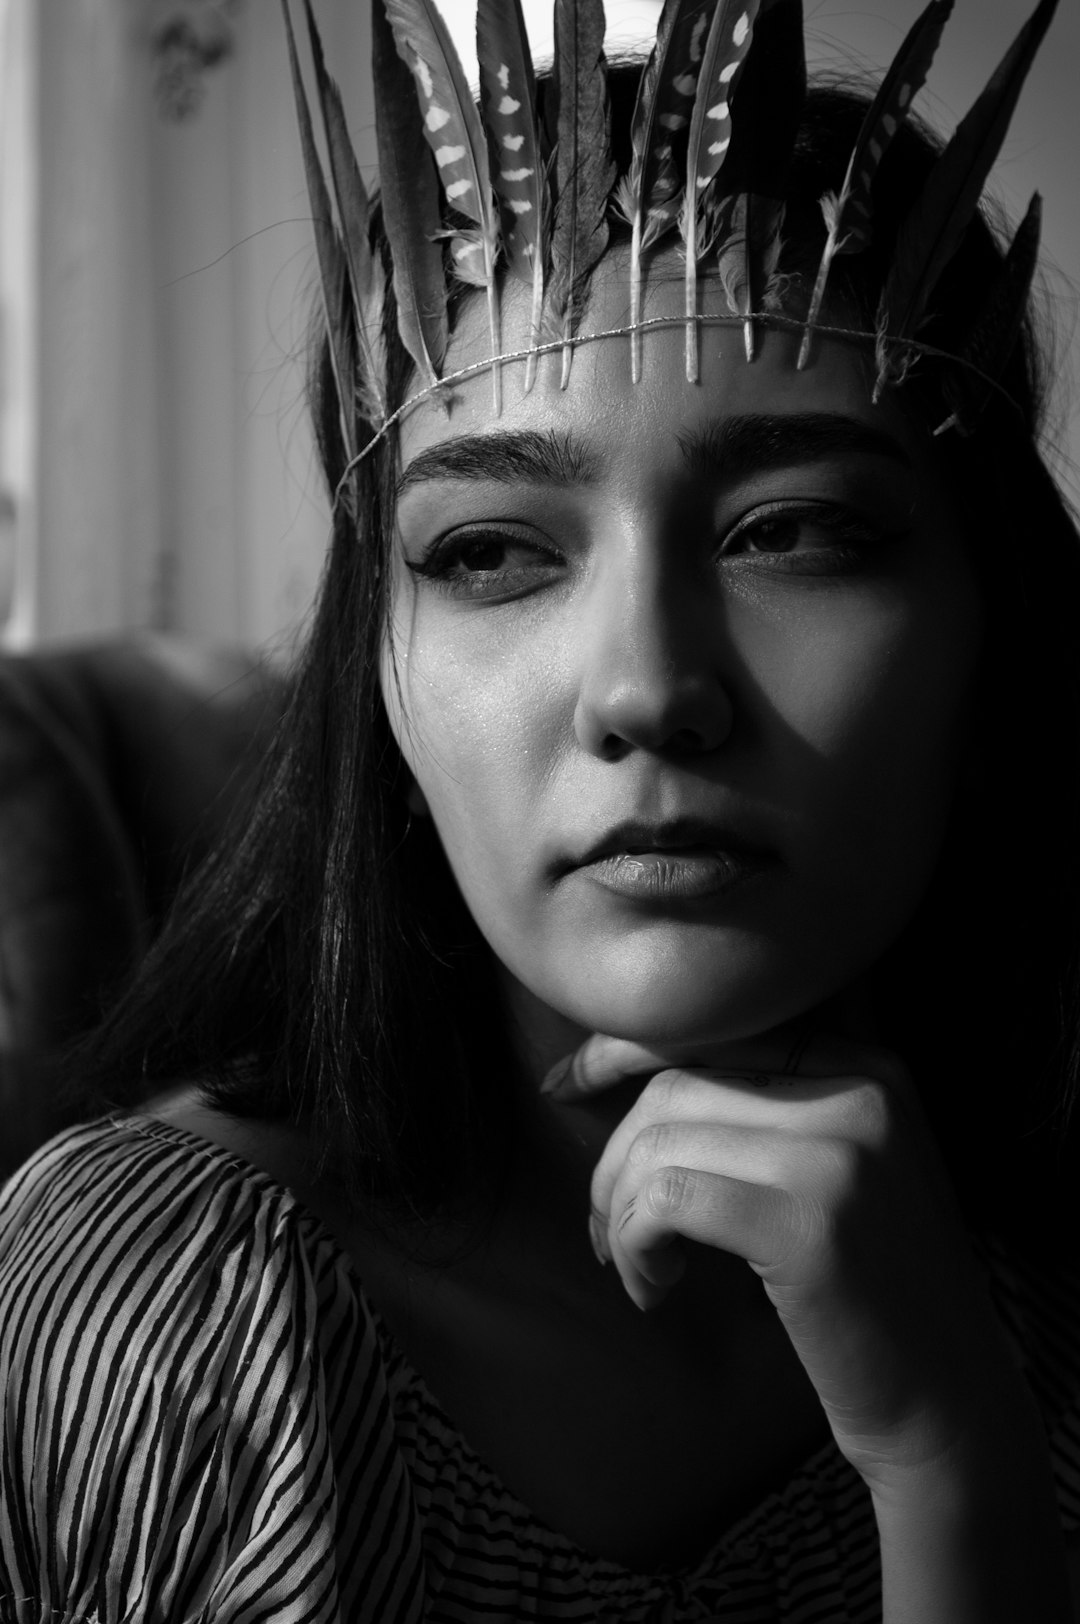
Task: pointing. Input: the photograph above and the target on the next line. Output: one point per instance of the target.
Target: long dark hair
(322, 968)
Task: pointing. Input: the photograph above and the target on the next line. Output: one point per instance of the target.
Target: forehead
(617, 426)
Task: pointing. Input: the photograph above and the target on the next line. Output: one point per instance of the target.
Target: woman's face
(681, 669)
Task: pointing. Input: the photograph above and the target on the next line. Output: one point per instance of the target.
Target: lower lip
(675, 876)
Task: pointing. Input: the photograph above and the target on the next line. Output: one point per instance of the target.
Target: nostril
(612, 747)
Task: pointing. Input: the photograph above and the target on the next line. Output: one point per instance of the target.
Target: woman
(628, 890)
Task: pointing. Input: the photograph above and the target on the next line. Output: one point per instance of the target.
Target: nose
(653, 649)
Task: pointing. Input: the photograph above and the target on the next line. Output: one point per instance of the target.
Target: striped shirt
(206, 1422)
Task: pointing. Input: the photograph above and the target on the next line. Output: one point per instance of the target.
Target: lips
(675, 837)
(677, 860)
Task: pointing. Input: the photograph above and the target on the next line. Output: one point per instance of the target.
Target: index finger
(602, 1062)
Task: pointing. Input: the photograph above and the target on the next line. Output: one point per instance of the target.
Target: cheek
(476, 716)
(867, 713)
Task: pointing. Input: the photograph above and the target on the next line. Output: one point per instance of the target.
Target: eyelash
(853, 536)
(438, 561)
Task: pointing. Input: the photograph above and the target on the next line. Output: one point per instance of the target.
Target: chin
(679, 1006)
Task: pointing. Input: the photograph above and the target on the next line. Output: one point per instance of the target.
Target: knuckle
(585, 1066)
(862, 1112)
(871, 1113)
(669, 1193)
(847, 1168)
(650, 1145)
(660, 1093)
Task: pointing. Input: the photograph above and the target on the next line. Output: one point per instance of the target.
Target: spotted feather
(519, 173)
(649, 195)
(453, 130)
(726, 49)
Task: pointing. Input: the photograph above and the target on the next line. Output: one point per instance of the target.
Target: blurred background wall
(156, 274)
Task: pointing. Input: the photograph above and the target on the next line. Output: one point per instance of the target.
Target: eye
(807, 537)
(488, 561)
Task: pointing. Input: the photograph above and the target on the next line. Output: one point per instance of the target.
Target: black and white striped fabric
(204, 1422)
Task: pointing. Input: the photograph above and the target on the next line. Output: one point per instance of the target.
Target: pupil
(483, 555)
(776, 535)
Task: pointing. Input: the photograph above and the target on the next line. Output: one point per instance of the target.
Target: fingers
(658, 1189)
(736, 1148)
(599, 1063)
(794, 1147)
(719, 1115)
(602, 1062)
(737, 1216)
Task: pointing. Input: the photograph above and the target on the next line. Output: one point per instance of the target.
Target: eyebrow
(524, 456)
(732, 447)
(735, 447)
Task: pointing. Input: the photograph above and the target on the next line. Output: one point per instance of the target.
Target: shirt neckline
(747, 1533)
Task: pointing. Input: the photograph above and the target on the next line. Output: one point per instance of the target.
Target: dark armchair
(119, 763)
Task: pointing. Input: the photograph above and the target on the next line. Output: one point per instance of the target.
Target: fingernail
(558, 1074)
(598, 1239)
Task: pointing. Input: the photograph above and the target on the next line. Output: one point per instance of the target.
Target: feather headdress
(767, 113)
(848, 214)
(996, 327)
(584, 172)
(725, 54)
(508, 96)
(528, 190)
(935, 227)
(453, 130)
(650, 195)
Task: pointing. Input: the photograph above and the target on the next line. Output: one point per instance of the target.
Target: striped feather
(455, 134)
(649, 195)
(354, 212)
(726, 49)
(997, 326)
(584, 171)
(848, 215)
(932, 232)
(411, 210)
(334, 281)
(508, 102)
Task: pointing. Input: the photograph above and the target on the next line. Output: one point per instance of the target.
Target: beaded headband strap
(529, 185)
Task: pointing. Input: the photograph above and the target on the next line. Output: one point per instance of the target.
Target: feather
(932, 232)
(508, 101)
(748, 237)
(726, 49)
(767, 115)
(333, 266)
(584, 172)
(728, 228)
(354, 212)
(847, 215)
(410, 201)
(455, 135)
(997, 326)
(649, 195)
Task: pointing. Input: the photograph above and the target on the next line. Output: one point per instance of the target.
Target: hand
(828, 1183)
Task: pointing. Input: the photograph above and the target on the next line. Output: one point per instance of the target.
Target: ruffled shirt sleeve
(170, 1359)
